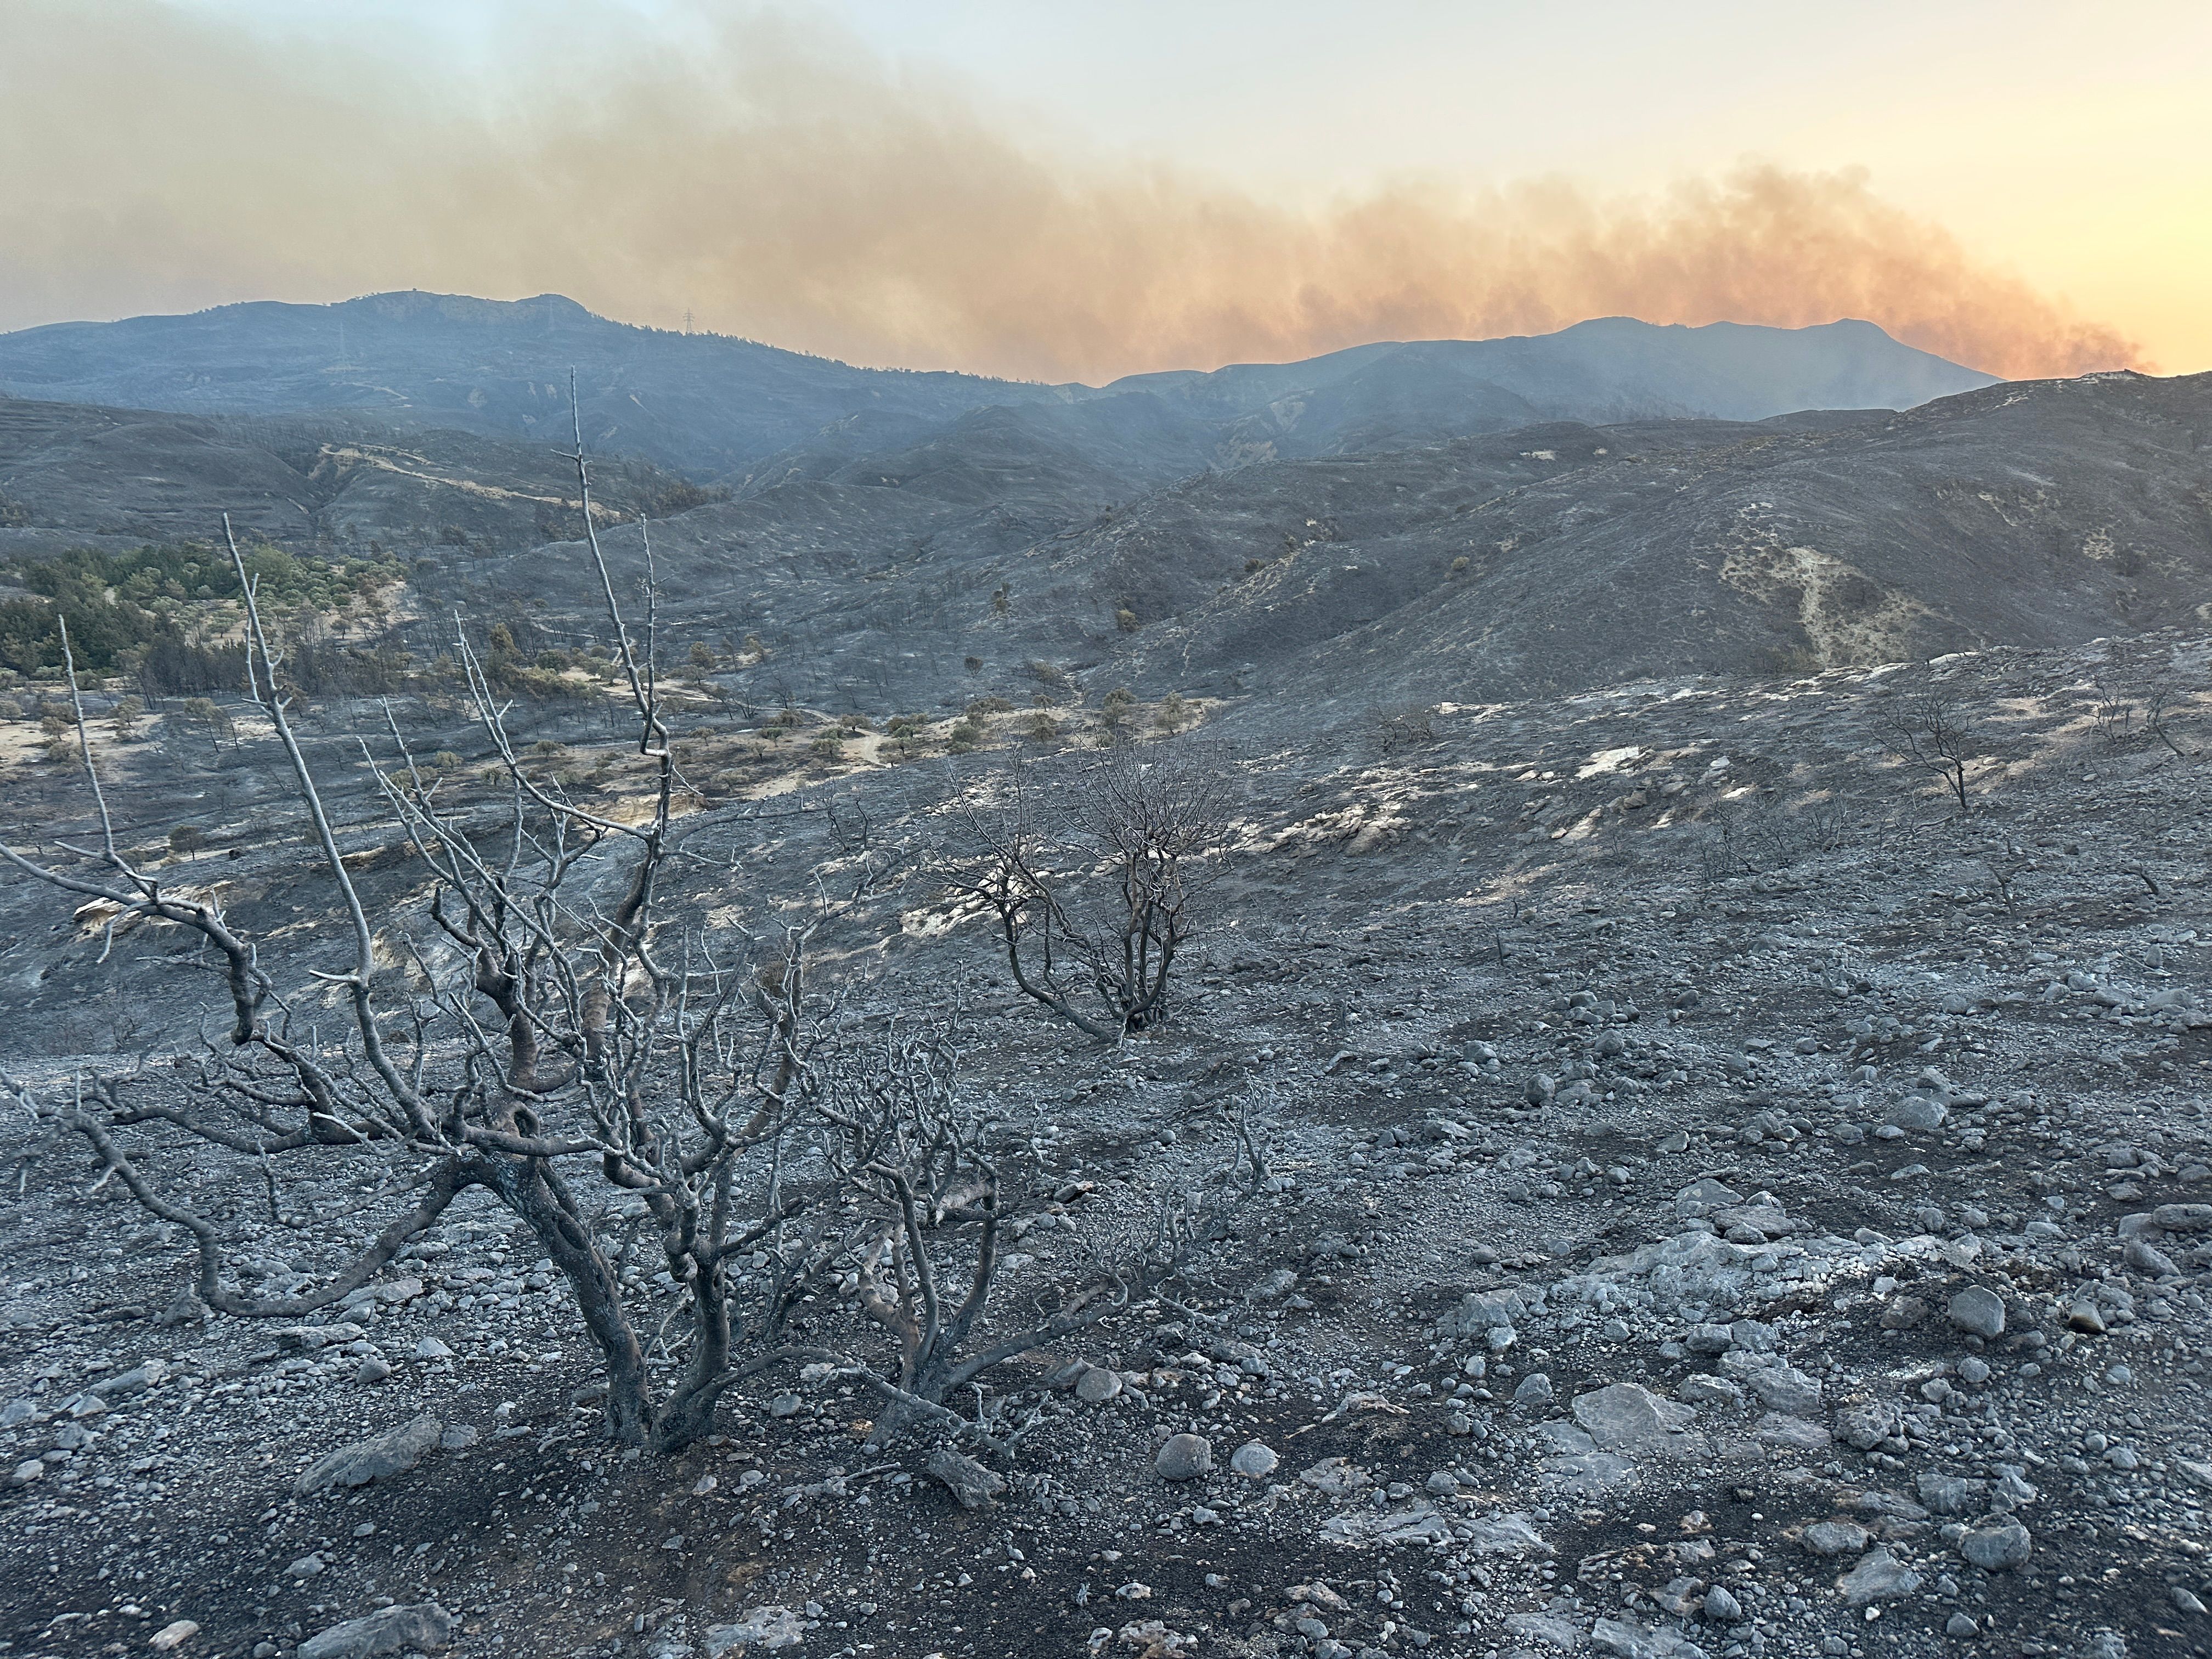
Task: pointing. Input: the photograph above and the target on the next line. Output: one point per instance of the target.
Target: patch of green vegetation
(118, 603)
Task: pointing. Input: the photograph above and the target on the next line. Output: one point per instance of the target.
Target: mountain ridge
(716, 408)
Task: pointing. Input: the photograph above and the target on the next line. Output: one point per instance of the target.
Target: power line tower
(687, 322)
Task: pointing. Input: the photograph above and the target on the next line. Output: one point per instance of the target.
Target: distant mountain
(715, 408)
(703, 403)
(1727, 371)
(1614, 368)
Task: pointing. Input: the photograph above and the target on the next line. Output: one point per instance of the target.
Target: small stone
(1705, 1194)
(1185, 1457)
(1253, 1460)
(2143, 1258)
(2187, 1602)
(1979, 1311)
(1786, 1389)
(1335, 1477)
(1864, 1424)
(459, 1437)
(186, 1307)
(1945, 1494)
(173, 1635)
(1721, 1607)
(136, 1380)
(1700, 1389)
(1878, 1576)
(372, 1370)
(1997, 1545)
(785, 1405)
(1916, 1112)
(1903, 1313)
(1625, 1417)
(1097, 1385)
(1535, 1388)
(430, 1348)
(1961, 1627)
(306, 1567)
(423, 1626)
(382, 1455)
(1793, 1433)
(1677, 1596)
(2083, 1316)
(1479, 1311)
(1973, 1372)
(765, 1630)
(1835, 1538)
(1751, 1336)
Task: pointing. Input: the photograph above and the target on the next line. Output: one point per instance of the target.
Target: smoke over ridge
(762, 175)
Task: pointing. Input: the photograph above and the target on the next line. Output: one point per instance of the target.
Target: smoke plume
(765, 178)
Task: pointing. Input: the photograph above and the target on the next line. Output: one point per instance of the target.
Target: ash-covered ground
(1720, 1198)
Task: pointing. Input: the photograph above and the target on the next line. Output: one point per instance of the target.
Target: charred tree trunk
(526, 1187)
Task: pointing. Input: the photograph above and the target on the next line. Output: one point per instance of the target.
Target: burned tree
(2162, 701)
(1398, 730)
(1096, 871)
(936, 1184)
(1933, 728)
(546, 1020)
(2137, 679)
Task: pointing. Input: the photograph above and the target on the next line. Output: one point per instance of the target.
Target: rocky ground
(1720, 1200)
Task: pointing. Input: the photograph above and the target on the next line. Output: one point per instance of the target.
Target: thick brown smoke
(754, 175)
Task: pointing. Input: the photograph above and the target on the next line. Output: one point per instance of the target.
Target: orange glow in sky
(1061, 191)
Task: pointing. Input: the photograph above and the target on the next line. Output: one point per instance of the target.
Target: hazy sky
(896, 180)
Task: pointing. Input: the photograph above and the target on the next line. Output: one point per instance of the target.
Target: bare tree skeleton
(671, 1080)
(1094, 875)
(1934, 731)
